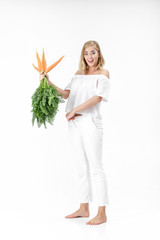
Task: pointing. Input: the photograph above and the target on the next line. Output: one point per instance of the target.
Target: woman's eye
(87, 54)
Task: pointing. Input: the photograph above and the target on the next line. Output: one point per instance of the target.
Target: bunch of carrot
(42, 65)
(46, 98)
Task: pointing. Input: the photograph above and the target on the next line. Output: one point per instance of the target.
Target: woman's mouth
(90, 61)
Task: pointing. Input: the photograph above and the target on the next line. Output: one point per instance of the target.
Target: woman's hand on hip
(70, 115)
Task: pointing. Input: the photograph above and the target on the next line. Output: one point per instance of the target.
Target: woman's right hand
(41, 76)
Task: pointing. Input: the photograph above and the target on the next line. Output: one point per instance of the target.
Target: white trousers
(86, 140)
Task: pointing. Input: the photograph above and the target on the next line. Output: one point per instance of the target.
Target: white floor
(37, 193)
(41, 219)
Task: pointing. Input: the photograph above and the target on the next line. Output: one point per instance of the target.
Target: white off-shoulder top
(83, 87)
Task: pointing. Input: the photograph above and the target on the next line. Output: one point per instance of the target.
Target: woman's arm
(89, 103)
(60, 90)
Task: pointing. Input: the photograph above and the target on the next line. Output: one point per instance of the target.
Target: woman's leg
(93, 142)
(81, 161)
(82, 169)
(92, 136)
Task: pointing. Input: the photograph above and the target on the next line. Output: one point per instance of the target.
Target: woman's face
(91, 56)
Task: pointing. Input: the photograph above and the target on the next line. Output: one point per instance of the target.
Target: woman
(87, 88)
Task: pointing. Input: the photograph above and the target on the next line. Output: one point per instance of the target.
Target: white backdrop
(37, 180)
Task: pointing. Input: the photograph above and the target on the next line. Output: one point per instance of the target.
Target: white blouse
(83, 87)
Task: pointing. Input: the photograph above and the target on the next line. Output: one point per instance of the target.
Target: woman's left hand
(70, 115)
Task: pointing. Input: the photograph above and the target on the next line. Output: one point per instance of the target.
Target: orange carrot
(42, 65)
(45, 64)
(35, 67)
(53, 65)
(39, 61)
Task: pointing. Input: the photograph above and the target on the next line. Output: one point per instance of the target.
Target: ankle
(101, 214)
(84, 206)
(101, 211)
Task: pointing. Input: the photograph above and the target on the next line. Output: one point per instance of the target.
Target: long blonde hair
(83, 66)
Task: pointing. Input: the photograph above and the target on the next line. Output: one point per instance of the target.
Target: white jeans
(86, 139)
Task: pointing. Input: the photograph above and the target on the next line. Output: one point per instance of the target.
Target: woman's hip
(87, 122)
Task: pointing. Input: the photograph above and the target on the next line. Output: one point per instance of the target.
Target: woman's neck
(91, 71)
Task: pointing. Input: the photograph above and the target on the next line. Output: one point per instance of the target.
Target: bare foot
(97, 220)
(79, 213)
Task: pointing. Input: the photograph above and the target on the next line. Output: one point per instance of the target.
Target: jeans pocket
(92, 122)
(97, 123)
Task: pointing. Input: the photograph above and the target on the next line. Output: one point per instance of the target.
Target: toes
(94, 222)
(88, 222)
(68, 216)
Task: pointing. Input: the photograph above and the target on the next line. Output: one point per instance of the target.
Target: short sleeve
(68, 86)
(103, 88)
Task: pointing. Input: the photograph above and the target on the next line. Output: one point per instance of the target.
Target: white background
(37, 181)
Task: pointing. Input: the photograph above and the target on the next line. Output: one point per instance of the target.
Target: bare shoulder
(105, 72)
(77, 73)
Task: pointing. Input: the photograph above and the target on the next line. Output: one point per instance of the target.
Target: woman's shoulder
(105, 72)
(78, 73)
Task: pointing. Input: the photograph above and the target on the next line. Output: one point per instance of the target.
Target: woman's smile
(90, 61)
